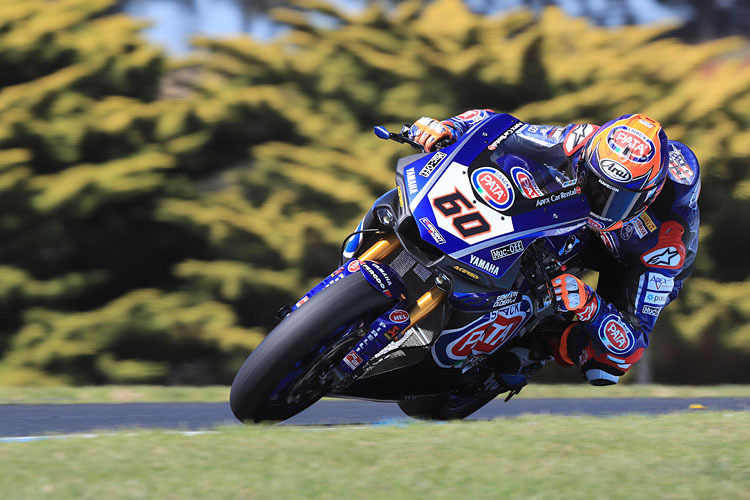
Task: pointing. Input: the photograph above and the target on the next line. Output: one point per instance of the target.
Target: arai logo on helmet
(493, 187)
(615, 171)
(631, 144)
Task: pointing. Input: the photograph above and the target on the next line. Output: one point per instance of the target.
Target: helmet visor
(612, 204)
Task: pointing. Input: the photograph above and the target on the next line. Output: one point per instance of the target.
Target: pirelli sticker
(648, 222)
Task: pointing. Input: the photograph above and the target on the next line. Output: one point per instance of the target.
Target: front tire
(293, 342)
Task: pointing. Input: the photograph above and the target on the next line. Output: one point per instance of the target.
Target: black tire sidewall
(296, 336)
(438, 407)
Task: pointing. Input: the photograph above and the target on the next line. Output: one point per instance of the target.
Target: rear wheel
(444, 406)
(283, 375)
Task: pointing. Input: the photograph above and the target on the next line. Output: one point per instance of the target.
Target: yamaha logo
(615, 170)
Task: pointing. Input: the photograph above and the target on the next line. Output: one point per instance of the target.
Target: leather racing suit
(642, 265)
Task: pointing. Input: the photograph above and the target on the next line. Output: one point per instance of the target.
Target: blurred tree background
(155, 212)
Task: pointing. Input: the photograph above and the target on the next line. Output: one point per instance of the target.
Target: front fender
(383, 279)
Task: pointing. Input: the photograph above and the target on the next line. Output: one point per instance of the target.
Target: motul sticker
(616, 335)
(353, 266)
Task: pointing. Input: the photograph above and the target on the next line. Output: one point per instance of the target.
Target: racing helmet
(626, 164)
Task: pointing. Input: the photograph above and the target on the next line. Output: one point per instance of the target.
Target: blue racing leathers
(642, 265)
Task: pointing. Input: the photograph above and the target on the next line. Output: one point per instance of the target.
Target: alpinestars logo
(577, 137)
(663, 257)
(669, 252)
(589, 311)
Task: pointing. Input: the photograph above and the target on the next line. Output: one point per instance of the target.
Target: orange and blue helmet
(626, 166)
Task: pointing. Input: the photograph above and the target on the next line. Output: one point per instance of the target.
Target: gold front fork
(381, 249)
(425, 305)
(427, 302)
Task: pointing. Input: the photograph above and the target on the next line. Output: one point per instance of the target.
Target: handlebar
(403, 138)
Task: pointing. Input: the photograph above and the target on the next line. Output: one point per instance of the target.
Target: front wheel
(278, 379)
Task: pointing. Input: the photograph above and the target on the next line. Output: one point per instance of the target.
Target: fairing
(481, 209)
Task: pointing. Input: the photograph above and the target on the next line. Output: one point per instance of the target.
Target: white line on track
(28, 439)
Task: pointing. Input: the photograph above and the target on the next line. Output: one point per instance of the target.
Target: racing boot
(514, 367)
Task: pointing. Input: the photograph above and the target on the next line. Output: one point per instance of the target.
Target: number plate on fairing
(470, 208)
(457, 211)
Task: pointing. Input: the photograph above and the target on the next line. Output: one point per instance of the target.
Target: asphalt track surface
(18, 420)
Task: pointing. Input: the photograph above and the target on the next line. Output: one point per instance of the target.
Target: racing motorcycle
(443, 274)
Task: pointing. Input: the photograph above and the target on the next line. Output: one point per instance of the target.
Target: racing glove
(573, 295)
(428, 131)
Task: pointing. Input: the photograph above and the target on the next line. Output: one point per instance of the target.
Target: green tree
(154, 214)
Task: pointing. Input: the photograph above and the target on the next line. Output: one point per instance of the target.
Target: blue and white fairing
(482, 207)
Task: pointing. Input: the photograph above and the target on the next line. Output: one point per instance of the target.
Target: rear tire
(293, 341)
(443, 406)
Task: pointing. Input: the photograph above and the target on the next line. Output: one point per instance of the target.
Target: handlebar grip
(443, 143)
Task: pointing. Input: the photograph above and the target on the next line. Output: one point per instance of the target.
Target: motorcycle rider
(643, 191)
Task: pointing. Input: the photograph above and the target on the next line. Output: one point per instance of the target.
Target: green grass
(695, 455)
(112, 394)
(140, 393)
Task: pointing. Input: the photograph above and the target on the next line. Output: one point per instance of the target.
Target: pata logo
(615, 170)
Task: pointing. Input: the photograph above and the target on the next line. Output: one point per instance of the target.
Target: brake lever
(442, 143)
(401, 137)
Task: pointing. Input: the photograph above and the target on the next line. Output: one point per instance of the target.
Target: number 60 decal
(466, 219)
